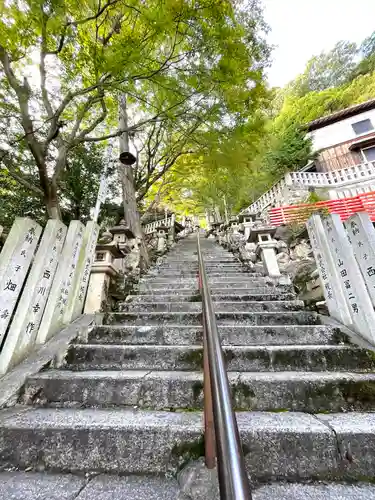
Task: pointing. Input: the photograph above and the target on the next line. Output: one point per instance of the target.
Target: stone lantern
(161, 235)
(248, 221)
(234, 224)
(103, 270)
(122, 235)
(266, 246)
(214, 232)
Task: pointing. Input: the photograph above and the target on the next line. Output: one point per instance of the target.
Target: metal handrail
(233, 479)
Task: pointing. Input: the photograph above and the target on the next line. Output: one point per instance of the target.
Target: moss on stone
(196, 297)
(188, 451)
(338, 336)
(282, 358)
(197, 389)
(229, 355)
(129, 355)
(242, 395)
(194, 358)
(361, 392)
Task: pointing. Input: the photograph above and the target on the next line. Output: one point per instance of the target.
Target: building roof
(341, 115)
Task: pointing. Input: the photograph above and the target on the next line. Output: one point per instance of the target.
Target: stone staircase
(124, 411)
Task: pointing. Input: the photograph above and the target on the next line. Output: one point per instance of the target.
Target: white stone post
(29, 312)
(102, 271)
(171, 231)
(53, 317)
(266, 247)
(353, 285)
(15, 260)
(361, 234)
(82, 273)
(162, 239)
(331, 284)
(247, 228)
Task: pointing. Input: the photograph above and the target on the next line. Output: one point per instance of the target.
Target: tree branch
(42, 70)
(18, 176)
(100, 12)
(23, 95)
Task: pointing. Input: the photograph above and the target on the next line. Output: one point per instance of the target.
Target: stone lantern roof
(122, 228)
(256, 231)
(162, 227)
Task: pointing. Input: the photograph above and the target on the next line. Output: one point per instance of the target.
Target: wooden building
(344, 139)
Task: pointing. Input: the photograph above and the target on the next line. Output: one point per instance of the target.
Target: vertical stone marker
(15, 260)
(53, 317)
(329, 277)
(353, 285)
(362, 237)
(29, 312)
(82, 275)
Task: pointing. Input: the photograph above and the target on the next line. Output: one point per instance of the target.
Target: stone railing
(151, 227)
(276, 194)
(284, 192)
(336, 178)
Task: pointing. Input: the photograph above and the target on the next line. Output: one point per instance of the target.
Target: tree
(91, 52)
(289, 150)
(220, 166)
(80, 181)
(77, 192)
(366, 64)
(327, 70)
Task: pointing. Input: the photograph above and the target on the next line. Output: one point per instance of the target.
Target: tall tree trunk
(52, 203)
(131, 213)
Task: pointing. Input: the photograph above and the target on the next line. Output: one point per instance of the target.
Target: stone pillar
(328, 273)
(28, 316)
(61, 289)
(352, 283)
(266, 248)
(161, 234)
(267, 251)
(247, 228)
(102, 271)
(171, 232)
(15, 261)
(361, 234)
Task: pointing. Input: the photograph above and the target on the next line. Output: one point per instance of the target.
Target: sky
(304, 28)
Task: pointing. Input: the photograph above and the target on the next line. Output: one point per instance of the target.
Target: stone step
(314, 491)
(222, 318)
(19, 485)
(259, 292)
(196, 297)
(292, 391)
(212, 274)
(290, 446)
(238, 278)
(209, 265)
(238, 358)
(207, 260)
(254, 306)
(215, 286)
(230, 335)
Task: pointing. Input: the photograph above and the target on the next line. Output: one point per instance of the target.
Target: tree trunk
(52, 203)
(131, 213)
